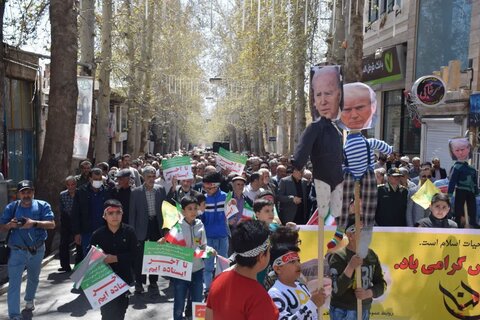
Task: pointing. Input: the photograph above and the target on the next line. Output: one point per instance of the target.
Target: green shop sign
(382, 69)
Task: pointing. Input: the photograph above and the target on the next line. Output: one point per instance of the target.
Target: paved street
(55, 301)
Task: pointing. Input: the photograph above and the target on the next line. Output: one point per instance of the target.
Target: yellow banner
(430, 273)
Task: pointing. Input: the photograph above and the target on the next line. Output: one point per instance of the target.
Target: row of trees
(159, 55)
(265, 55)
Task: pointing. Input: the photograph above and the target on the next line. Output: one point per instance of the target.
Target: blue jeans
(182, 287)
(86, 237)
(344, 314)
(18, 261)
(221, 246)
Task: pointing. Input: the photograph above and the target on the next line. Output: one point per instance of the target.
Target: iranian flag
(221, 265)
(94, 256)
(175, 236)
(202, 254)
(247, 211)
(329, 220)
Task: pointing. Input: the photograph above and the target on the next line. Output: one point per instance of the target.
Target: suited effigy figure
(463, 181)
(322, 140)
(359, 113)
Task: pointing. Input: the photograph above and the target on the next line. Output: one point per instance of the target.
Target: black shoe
(62, 269)
(139, 289)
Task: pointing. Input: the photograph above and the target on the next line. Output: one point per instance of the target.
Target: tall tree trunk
(131, 101)
(86, 32)
(282, 132)
(57, 154)
(336, 51)
(102, 138)
(354, 36)
(147, 110)
(2, 84)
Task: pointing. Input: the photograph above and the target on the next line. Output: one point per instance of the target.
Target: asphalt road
(55, 300)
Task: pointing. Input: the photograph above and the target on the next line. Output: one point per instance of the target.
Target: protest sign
(199, 310)
(168, 260)
(231, 208)
(179, 167)
(101, 285)
(231, 161)
(430, 273)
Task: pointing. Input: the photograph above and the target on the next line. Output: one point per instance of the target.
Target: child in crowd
(194, 234)
(292, 298)
(343, 305)
(119, 242)
(236, 294)
(263, 210)
(438, 218)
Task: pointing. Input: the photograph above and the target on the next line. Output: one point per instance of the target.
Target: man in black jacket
(122, 192)
(87, 210)
(392, 202)
(119, 243)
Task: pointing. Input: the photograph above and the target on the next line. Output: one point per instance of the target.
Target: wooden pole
(321, 232)
(358, 270)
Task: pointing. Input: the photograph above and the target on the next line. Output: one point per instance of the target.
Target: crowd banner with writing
(199, 310)
(430, 273)
(101, 285)
(168, 260)
(179, 167)
(231, 161)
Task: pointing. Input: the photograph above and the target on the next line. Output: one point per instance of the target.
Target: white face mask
(97, 184)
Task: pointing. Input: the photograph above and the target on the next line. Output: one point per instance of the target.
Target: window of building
(373, 10)
(19, 125)
(399, 130)
(443, 34)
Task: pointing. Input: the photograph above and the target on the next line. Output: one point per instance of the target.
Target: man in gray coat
(147, 221)
(292, 197)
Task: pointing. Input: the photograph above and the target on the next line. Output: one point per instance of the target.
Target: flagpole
(321, 232)
(358, 270)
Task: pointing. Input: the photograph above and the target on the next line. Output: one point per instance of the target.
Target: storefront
(384, 72)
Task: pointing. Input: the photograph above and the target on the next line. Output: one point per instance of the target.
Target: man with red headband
(119, 242)
(292, 298)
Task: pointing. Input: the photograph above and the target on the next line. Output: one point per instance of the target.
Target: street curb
(45, 261)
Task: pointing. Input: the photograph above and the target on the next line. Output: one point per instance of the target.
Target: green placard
(94, 275)
(154, 249)
(238, 158)
(175, 162)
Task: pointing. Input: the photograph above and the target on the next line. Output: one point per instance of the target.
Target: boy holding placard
(192, 233)
(119, 243)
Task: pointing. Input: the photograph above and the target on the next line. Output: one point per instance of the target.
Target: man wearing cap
(27, 219)
(215, 222)
(392, 201)
(238, 199)
(147, 221)
(122, 191)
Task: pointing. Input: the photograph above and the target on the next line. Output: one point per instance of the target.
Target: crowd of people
(117, 205)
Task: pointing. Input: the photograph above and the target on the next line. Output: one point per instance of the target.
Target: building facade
(405, 40)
